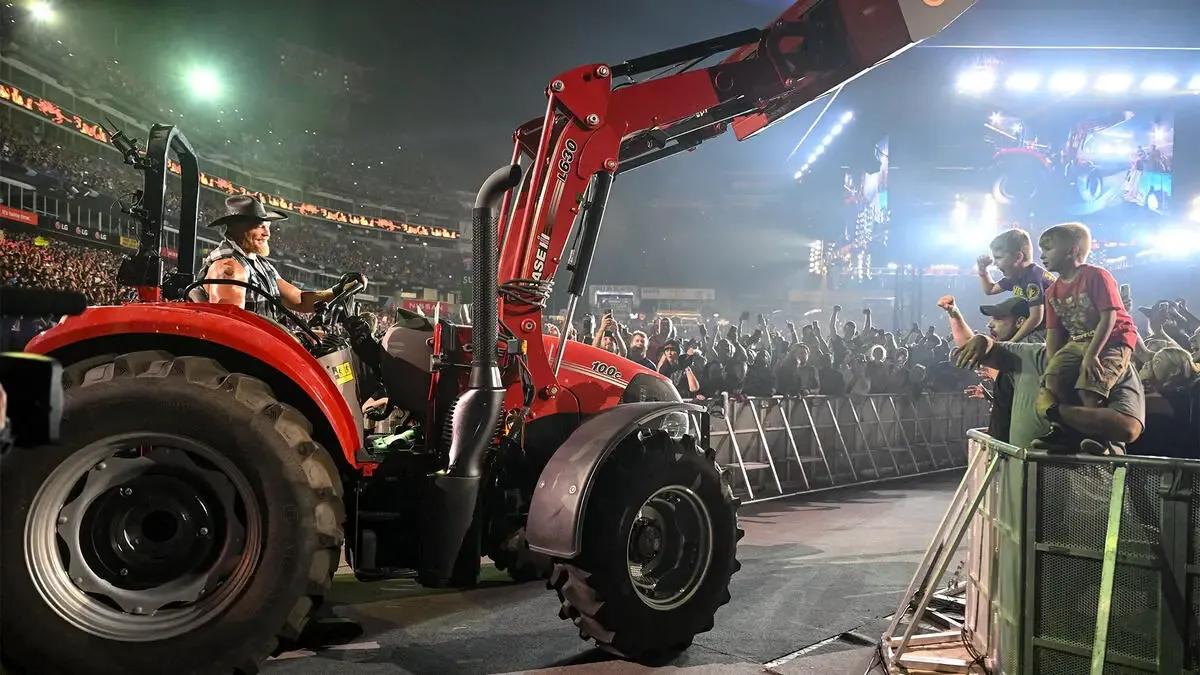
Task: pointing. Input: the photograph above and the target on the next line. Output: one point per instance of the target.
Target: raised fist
(837, 308)
(946, 302)
(983, 261)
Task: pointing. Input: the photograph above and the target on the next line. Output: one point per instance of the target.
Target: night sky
(448, 81)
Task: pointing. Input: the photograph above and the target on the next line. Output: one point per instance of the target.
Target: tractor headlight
(675, 423)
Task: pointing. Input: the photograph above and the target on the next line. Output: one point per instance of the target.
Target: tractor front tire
(186, 521)
(659, 547)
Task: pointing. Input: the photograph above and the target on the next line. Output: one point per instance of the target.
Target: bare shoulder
(228, 268)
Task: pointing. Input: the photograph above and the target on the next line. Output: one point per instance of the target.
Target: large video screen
(1104, 166)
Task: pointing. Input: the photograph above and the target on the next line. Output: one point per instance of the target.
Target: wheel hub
(670, 547)
(151, 529)
(139, 538)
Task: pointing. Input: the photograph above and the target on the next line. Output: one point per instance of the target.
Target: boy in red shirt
(1089, 335)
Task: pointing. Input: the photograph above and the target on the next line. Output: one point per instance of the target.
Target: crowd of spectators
(845, 358)
(41, 262)
(405, 263)
(270, 145)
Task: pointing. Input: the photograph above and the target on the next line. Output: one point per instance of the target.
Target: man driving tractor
(242, 256)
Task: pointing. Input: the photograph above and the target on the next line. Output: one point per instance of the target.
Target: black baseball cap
(1013, 306)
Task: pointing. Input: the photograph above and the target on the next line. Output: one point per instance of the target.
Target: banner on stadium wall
(653, 293)
(427, 307)
(18, 215)
(55, 114)
(77, 231)
(128, 242)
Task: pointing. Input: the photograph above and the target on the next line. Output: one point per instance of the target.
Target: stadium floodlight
(1023, 82)
(42, 12)
(204, 83)
(1114, 83)
(976, 80)
(1159, 82)
(1067, 82)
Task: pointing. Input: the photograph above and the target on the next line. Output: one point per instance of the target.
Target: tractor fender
(555, 523)
(137, 326)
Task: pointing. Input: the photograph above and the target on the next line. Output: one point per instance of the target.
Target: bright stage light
(1174, 243)
(847, 116)
(828, 138)
(1067, 82)
(1159, 134)
(42, 12)
(995, 118)
(1023, 81)
(990, 213)
(1016, 128)
(837, 128)
(798, 175)
(959, 215)
(976, 80)
(1114, 83)
(204, 83)
(1194, 83)
(812, 158)
(1159, 82)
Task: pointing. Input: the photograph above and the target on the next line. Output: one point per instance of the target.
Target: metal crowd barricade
(782, 446)
(1075, 565)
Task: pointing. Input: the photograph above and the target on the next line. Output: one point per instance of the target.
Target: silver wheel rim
(110, 531)
(669, 548)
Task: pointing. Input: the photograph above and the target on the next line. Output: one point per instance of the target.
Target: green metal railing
(1075, 564)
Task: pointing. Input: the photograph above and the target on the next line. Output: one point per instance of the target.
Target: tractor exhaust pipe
(450, 545)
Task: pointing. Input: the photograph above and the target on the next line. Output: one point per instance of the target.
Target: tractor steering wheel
(335, 308)
(299, 323)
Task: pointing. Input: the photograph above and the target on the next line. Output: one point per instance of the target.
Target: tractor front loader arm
(595, 128)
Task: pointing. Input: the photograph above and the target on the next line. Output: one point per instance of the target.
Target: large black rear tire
(651, 478)
(205, 448)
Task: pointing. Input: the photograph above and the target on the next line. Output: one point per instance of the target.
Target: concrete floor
(812, 569)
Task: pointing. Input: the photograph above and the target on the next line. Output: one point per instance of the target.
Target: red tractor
(213, 463)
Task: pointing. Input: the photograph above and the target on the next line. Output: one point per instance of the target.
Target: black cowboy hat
(244, 209)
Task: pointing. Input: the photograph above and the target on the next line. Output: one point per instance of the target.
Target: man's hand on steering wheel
(350, 278)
